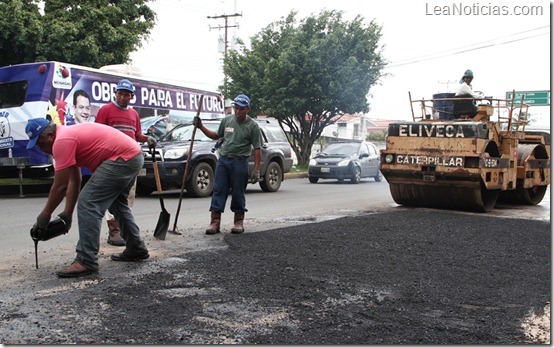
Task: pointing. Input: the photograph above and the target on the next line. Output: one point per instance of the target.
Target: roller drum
(531, 195)
(477, 199)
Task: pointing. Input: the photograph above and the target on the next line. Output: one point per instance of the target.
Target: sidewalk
(296, 175)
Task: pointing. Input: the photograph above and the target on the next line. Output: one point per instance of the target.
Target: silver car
(352, 160)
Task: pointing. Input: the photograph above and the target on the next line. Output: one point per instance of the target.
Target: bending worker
(240, 134)
(115, 160)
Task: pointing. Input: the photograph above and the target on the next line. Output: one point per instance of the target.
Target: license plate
(428, 178)
(142, 172)
(325, 170)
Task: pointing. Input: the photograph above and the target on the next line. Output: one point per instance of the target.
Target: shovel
(163, 220)
(174, 231)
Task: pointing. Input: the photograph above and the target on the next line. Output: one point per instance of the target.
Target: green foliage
(377, 136)
(90, 33)
(301, 168)
(304, 73)
(20, 31)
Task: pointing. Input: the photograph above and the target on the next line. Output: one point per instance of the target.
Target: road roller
(466, 154)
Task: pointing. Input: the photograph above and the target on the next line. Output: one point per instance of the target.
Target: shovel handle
(156, 172)
(187, 165)
(157, 176)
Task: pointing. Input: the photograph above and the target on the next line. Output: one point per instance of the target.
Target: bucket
(444, 108)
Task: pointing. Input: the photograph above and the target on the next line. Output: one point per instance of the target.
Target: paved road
(296, 202)
(392, 275)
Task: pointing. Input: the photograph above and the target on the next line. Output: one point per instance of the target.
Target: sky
(428, 44)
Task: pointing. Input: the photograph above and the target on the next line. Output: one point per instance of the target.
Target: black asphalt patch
(412, 276)
(395, 278)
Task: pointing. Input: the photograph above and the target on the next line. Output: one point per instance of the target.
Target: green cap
(467, 73)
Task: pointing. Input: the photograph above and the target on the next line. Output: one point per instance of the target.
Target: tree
(20, 31)
(305, 73)
(90, 33)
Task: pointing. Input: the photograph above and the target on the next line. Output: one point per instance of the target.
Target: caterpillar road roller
(466, 154)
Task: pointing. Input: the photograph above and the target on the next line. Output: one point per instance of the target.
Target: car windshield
(152, 120)
(184, 133)
(274, 133)
(347, 149)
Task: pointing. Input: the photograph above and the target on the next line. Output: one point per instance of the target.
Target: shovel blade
(162, 225)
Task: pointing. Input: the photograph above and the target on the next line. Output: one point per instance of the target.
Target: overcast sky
(428, 44)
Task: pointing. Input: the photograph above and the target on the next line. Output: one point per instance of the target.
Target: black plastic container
(445, 108)
(56, 227)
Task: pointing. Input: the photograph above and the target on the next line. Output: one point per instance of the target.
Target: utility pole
(226, 26)
(447, 83)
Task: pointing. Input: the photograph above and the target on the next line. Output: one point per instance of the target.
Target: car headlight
(175, 153)
(343, 163)
(389, 158)
(313, 162)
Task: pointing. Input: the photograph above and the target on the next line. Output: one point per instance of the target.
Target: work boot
(126, 256)
(215, 222)
(75, 270)
(114, 234)
(239, 219)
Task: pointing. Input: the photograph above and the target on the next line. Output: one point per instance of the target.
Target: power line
(471, 45)
(463, 49)
(226, 26)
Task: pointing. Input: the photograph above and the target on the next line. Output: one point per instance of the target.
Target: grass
(26, 181)
(300, 168)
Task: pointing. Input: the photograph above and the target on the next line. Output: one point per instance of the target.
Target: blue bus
(46, 89)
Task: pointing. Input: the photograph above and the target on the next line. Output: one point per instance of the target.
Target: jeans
(131, 200)
(231, 175)
(108, 187)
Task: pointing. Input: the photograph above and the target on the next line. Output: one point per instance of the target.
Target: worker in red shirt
(119, 115)
(115, 161)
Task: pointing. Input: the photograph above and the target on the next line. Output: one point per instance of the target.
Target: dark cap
(34, 128)
(126, 85)
(242, 100)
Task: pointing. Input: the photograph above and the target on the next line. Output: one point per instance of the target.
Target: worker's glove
(66, 217)
(218, 144)
(151, 142)
(197, 122)
(41, 224)
(255, 177)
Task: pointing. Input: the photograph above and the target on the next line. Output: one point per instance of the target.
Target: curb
(296, 175)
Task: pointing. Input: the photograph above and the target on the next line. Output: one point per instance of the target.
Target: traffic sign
(531, 97)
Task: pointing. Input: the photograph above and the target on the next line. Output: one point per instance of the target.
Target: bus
(46, 89)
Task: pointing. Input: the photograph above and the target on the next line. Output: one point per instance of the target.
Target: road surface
(342, 264)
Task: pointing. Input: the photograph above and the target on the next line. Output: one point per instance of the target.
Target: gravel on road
(398, 277)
